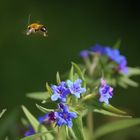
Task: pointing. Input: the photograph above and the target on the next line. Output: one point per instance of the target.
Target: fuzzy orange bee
(36, 28)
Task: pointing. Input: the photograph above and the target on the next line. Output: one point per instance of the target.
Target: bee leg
(45, 34)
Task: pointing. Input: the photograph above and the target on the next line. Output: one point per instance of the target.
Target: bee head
(29, 30)
(29, 27)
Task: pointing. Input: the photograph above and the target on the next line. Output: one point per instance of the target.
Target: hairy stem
(91, 69)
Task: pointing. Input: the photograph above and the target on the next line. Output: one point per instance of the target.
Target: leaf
(122, 84)
(113, 109)
(58, 80)
(43, 109)
(2, 112)
(48, 88)
(61, 133)
(38, 135)
(129, 82)
(104, 112)
(8, 122)
(116, 126)
(133, 71)
(71, 73)
(6, 138)
(78, 70)
(38, 95)
(35, 124)
(78, 128)
(72, 133)
(117, 44)
(89, 97)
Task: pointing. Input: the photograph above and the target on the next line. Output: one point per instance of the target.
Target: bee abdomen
(44, 29)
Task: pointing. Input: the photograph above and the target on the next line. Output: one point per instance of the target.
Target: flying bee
(36, 28)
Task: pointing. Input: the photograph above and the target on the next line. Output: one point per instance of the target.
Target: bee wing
(29, 19)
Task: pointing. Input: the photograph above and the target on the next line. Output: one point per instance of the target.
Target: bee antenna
(29, 19)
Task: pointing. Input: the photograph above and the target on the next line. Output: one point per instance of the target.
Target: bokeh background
(27, 62)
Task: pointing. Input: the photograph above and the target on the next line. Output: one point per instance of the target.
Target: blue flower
(64, 117)
(113, 54)
(29, 132)
(84, 53)
(105, 92)
(59, 92)
(75, 87)
(98, 49)
(47, 118)
(122, 67)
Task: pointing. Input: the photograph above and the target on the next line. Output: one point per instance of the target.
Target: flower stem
(91, 69)
(90, 124)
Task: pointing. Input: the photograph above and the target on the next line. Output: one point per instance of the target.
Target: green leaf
(2, 112)
(6, 138)
(48, 88)
(129, 82)
(113, 109)
(116, 126)
(89, 97)
(71, 73)
(78, 128)
(38, 135)
(117, 44)
(24, 122)
(133, 71)
(78, 70)
(122, 84)
(43, 109)
(61, 133)
(7, 123)
(104, 112)
(38, 95)
(72, 133)
(35, 124)
(58, 80)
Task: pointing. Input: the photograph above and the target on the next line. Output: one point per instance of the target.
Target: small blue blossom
(105, 92)
(114, 55)
(75, 87)
(59, 92)
(64, 117)
(123, 65)
(29, 132)
(47, 118)
(84, 54)
(98, 49)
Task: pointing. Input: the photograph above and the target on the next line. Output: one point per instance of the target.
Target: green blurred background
(27, 62)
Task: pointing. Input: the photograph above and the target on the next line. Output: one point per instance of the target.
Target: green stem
(90, 124)
(93, 64)
(57, 135)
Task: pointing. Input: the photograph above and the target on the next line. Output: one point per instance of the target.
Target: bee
(36, 28)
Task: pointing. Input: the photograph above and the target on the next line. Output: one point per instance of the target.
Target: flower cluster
(113, 55)
(61, 115)
(105, 92)
(64, 88)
